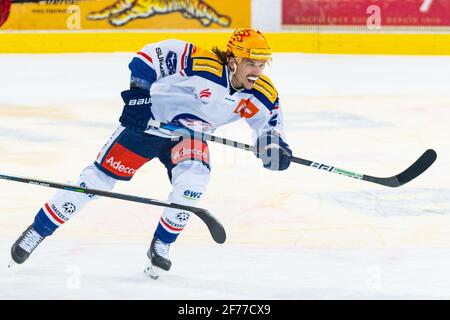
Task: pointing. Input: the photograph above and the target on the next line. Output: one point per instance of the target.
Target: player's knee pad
(65, 204)
(189, 181)
(92, 178)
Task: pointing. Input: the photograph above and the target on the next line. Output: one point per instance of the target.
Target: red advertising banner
(362, 12)
(5, 6)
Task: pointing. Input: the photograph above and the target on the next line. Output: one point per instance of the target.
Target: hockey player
(178, 82)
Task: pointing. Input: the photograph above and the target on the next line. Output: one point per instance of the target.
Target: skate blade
(152, 271)
(12, 264)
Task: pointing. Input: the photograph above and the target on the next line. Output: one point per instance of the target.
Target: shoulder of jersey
(206, 64)
(263, 86)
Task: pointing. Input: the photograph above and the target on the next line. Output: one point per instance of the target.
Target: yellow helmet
(248, 43)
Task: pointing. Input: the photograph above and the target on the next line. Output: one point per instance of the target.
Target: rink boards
(307, 42)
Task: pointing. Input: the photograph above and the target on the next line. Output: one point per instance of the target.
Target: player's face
(247, 72)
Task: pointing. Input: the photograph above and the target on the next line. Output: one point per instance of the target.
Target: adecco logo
(187, 153)
(118, 166)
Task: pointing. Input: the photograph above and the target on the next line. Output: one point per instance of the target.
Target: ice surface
(299, 234)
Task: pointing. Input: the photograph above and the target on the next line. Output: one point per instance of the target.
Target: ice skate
(159, 259)
(24, 246)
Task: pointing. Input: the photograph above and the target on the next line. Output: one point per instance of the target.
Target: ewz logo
(192, 194)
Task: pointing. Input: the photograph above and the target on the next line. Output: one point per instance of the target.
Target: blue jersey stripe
(141, 70)
(223, 81)
(263, 99)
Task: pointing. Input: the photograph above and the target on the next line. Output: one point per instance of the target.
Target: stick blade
(418, 167)
(215, 227)
(412, 172)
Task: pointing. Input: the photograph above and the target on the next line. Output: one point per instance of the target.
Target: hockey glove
(273, 151)
(137, 110)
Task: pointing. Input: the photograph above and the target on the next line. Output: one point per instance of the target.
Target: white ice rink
(298, 234)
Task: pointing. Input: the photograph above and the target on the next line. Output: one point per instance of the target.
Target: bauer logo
(192, 194)
(139, 102)
(171, 62)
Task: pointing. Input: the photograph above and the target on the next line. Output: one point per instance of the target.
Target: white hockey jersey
(188, 83)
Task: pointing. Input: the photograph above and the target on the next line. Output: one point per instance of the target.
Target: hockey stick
(412, 172)
(215, 227)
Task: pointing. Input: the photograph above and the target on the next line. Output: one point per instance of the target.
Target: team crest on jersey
(246, 108)
(204, 95)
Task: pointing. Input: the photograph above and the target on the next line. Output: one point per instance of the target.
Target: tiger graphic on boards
(123, 11)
